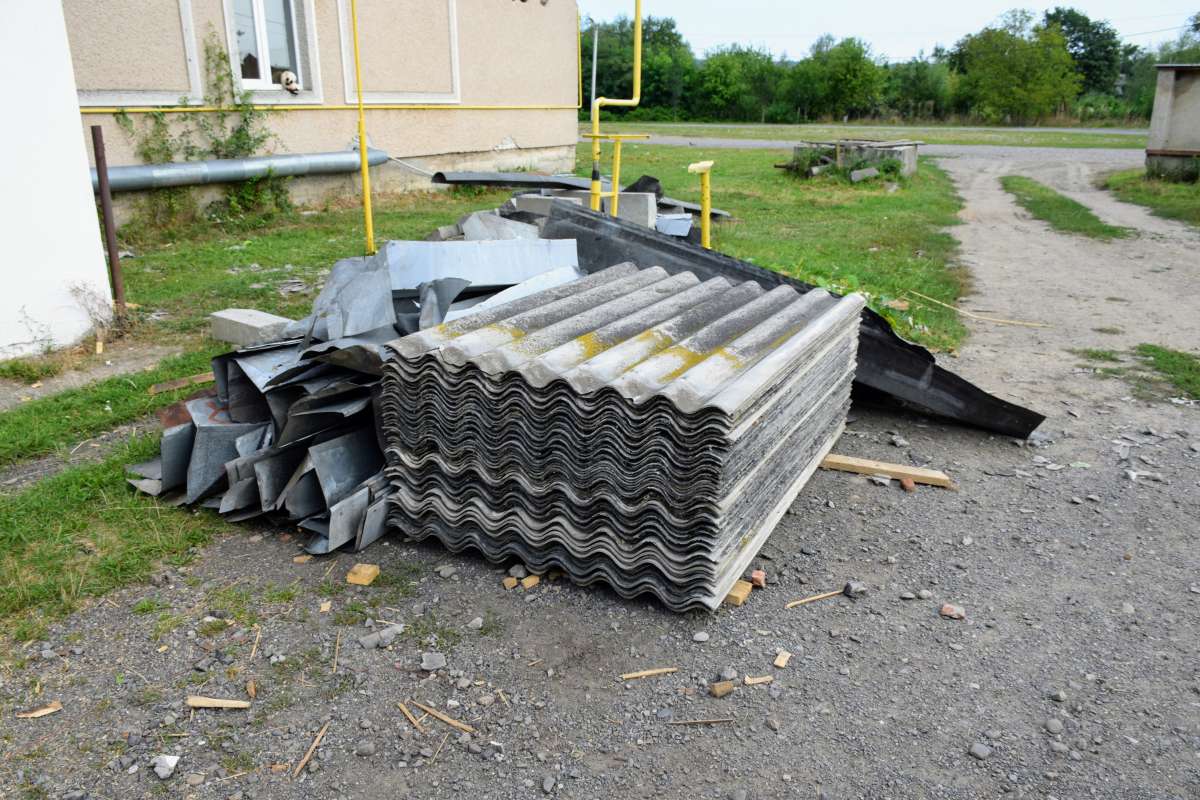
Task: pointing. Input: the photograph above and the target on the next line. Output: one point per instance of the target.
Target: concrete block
(640, 208)
(862, 174)
(483, 226)
(247, 326)
(539, 204)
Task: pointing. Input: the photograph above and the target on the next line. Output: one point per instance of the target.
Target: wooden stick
(973, 315)
(813, 599)
(453, 723)
(257, 636)
(649, 673)
(336, 646)
(755, 681)
(869, 466)
(312, 748)
(416, 723)
(196, 701)
(716, 721)
(503, 699)
(53, 707)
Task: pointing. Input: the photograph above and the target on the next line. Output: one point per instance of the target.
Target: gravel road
(1073, 675)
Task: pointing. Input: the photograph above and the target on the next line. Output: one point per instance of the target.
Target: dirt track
(1076, 667)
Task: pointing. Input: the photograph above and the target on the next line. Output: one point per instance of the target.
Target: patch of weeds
(1059, 211)
(1176, 367)
(427, 626)
(331, 588)
(212, 627)
(398, 582)
(353, 613)
(238, 762)
(281, 594)
(29, 629)
(148, 696)
(234, 601)
(165, 624)
(30, 370)
(279, 700)
(341, 684)
(491, 624)
(1094, 354)
(149, 605)
(1109, 329)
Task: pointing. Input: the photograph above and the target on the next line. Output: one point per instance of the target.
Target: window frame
(263, 43)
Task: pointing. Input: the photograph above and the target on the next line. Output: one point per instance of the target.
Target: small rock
(980, 751)
(759, 578)
(1059, 747)
(164, 765)
(880, 480)
(548, 784)
(855, 589)
(773, 724)
(740, 794)
(908, 485)
(1054, 725)
(447, 571)
(169, 719)
(486, 700)
(365, 748)
(475, 624)
(1077, 501)
(1127, 609)
(517, 571)
(1059, 696)
(194, 779)
(729, 674)
(907, 596)
(924, 594)
(899, 441)
(951, 611)
(665, 714)
(432, 662)
(699, 636)
(1095, 498)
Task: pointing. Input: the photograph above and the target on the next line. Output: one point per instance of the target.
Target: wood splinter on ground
(312, 748)
(451, 721)
(714, 721)
(782, 658)
(755, 681)
(868, 466)
(416, 723)
(46, 710)
(806, 600)
(196, 701)
(648, 673)
(509, 582)
(362, 574)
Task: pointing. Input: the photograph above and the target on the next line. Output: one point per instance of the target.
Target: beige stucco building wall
(479, 84)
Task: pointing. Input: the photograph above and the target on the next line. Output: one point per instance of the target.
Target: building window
(266, 42)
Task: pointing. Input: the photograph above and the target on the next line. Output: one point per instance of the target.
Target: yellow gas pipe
(368, 222)
(599, 102)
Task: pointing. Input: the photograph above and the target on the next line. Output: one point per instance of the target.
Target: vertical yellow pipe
(600, 102)
(616, 178)
(705, 211)
(368, 222)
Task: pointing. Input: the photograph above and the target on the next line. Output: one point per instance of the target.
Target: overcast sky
(897, 30)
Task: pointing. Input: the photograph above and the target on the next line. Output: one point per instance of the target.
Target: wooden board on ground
(196, 701)
(179, 383)
(868, 466)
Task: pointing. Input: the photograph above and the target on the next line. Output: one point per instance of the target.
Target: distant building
(463, 84)
(1173, 149)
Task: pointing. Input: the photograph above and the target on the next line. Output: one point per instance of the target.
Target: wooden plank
(196, 701)
(179, 383)
(739, 593)
(782, 658)
(648, 673)
(867, 466)
(530, 581)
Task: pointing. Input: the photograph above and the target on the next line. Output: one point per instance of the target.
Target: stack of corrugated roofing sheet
(636, 428)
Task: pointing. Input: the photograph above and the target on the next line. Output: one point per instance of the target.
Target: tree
(918, 88)
(1094, 45)
(736, 83)
(1018, 72)
(668, 66)
(854, 79)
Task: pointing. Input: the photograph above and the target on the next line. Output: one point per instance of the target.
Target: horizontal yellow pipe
(338, 107)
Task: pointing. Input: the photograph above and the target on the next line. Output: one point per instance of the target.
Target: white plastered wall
(52, 252)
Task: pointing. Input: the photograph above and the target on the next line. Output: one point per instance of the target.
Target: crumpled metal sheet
(490, 265)
(887, 364)
(215, 443)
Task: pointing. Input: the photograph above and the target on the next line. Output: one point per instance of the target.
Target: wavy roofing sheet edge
(644, 333)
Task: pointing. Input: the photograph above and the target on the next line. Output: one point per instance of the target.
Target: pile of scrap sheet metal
(291, 432)
(635, 428)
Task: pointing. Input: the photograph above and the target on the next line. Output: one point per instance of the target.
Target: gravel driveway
(1074, 673)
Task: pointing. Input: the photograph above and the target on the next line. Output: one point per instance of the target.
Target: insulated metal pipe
(231, 170)
(600, 102)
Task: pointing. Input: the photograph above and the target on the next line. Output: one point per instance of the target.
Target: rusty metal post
(110, 225)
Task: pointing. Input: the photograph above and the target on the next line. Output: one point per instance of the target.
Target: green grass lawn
(1061, 212)
(1164, 198)
(83, 532)
(825, 230)
(930, 134)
